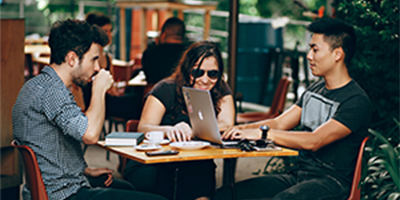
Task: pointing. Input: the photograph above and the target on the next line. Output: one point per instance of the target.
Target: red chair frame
(33, 176)
(277, 106)
(131, 126)
(355, 193)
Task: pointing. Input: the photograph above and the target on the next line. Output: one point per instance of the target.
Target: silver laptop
(202, 116)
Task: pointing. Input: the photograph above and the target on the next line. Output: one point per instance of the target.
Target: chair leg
(110, 125)
(103, 132)
(84, 148)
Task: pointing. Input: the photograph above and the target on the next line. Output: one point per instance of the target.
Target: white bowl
(190, 145)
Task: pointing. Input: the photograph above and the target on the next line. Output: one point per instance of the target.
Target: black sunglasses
(213, 74)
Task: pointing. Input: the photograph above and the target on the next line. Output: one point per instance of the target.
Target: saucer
(147, 147)
(164, 141)
(190, 145)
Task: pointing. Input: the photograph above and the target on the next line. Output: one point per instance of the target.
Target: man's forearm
(95, 114)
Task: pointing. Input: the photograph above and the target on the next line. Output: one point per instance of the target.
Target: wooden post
(163, 15)
(143, 31)
(122, 34)
(180, 15)
(11, 78)
(207, 24)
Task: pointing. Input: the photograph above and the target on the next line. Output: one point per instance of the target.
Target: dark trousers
(118, 190)
(116, 184)
(114, 194)
(178, 181)
(299, 185)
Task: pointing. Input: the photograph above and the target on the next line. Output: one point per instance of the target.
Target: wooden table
(207, 153)
(138, 80)
(37, 48)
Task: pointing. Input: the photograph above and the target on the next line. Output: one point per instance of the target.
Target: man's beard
(77, 77)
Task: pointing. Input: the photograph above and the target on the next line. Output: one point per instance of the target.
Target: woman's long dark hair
(198, 51)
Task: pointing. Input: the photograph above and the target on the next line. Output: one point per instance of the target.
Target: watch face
(264, 128)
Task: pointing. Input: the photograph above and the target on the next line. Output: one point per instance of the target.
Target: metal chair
(277, 106)
(355, 192)
(33, 176)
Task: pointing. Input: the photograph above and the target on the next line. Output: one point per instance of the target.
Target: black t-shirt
(160, 61)
(165, 91)
(350, 106)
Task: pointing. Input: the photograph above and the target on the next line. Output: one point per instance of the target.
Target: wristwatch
(264, 129)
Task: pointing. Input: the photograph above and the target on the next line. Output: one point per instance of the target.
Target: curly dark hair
(197, 52)
(70, 35)
(97, 18)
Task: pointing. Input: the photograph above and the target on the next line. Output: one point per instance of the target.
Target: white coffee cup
(155, 136)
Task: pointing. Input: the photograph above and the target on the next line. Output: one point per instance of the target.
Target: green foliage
(60, 10)
(376, 68)
(376, 64)
(381, 178)
(273, 8)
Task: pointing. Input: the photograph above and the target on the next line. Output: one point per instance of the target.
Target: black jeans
(111, 193)
(181, 180)
(299, 185)
(116, 184)
(119, 189)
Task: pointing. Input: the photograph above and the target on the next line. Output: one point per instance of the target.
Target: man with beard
(47, 119)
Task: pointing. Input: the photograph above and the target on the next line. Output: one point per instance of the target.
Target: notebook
(124, 139)
(202, 116)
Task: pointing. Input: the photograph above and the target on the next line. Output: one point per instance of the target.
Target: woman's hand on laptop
(180, 132)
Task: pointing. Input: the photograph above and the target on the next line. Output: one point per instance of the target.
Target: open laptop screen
(202, 114)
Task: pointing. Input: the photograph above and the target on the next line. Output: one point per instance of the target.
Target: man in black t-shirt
(333, 114)
(160, 61)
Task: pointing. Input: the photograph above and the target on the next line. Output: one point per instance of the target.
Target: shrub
(376, 64)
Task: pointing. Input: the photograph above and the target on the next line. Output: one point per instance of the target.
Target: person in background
(332, 114)
(164, 110)
(105, 34)
(46, 117)
(159, 61)
(104, 22)
(122, 104)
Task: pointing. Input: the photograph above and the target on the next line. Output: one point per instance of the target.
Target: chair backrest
(132, 125)
(355, 192)
(278, 103)
(78, 94)
(33, 176)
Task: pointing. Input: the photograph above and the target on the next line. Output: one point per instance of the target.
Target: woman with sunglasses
(200, 67)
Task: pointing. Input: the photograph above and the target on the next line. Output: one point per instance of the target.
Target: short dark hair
(174, 27)
(337, 33)
(70, 35)
(97, 18)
